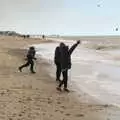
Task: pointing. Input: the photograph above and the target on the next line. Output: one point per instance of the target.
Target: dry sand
(25, 96)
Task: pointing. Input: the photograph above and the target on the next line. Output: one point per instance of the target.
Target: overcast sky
(67, 17)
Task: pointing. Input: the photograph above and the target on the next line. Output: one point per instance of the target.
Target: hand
(35, 58)
(78, 42)
(25, 59)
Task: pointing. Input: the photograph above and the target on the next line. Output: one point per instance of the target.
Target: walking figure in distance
(43, 36)
(62, 60)
(30, 60)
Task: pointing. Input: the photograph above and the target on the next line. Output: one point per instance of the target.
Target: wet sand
(26, 96)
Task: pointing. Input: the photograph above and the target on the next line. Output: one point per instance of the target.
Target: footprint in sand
(44, 114)
(10, 119)
(29, 99)
(79, 115)
(61, 112)
(23, 112)
(20, 115)
(58, 102)
(49, 101)
(37, 108)
(56, 110)
(14, 115)
(2, 93)
(63, 107)
(68, 114)
(51, 115)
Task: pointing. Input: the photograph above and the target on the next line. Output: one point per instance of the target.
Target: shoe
(58, 80)
(33, 72)
(20, 69)
(59, 89)
(66, 90)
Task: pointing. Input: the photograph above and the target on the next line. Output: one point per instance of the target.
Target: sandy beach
(26, 96)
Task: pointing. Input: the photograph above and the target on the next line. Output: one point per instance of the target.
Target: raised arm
(73, 47)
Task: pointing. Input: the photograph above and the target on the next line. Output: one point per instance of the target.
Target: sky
(63, 17)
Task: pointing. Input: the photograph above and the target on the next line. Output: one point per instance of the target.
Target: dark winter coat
(63, 56)
(31, 54)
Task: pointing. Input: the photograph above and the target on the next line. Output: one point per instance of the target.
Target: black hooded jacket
(63, 56)
(31, 54)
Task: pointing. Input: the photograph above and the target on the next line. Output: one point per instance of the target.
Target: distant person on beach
(43, 36)
(62, 59)
(30, 60)
(24, 36)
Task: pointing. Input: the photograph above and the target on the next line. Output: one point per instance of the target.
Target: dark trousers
(58, 71)
(29, 62)
(65, 79)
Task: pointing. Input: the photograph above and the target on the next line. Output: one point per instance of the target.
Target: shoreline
(71, 84)
(77, 92)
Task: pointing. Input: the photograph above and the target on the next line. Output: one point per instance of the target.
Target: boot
(33, 72)
(59, 89)
(20, 69)
(66, 90)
